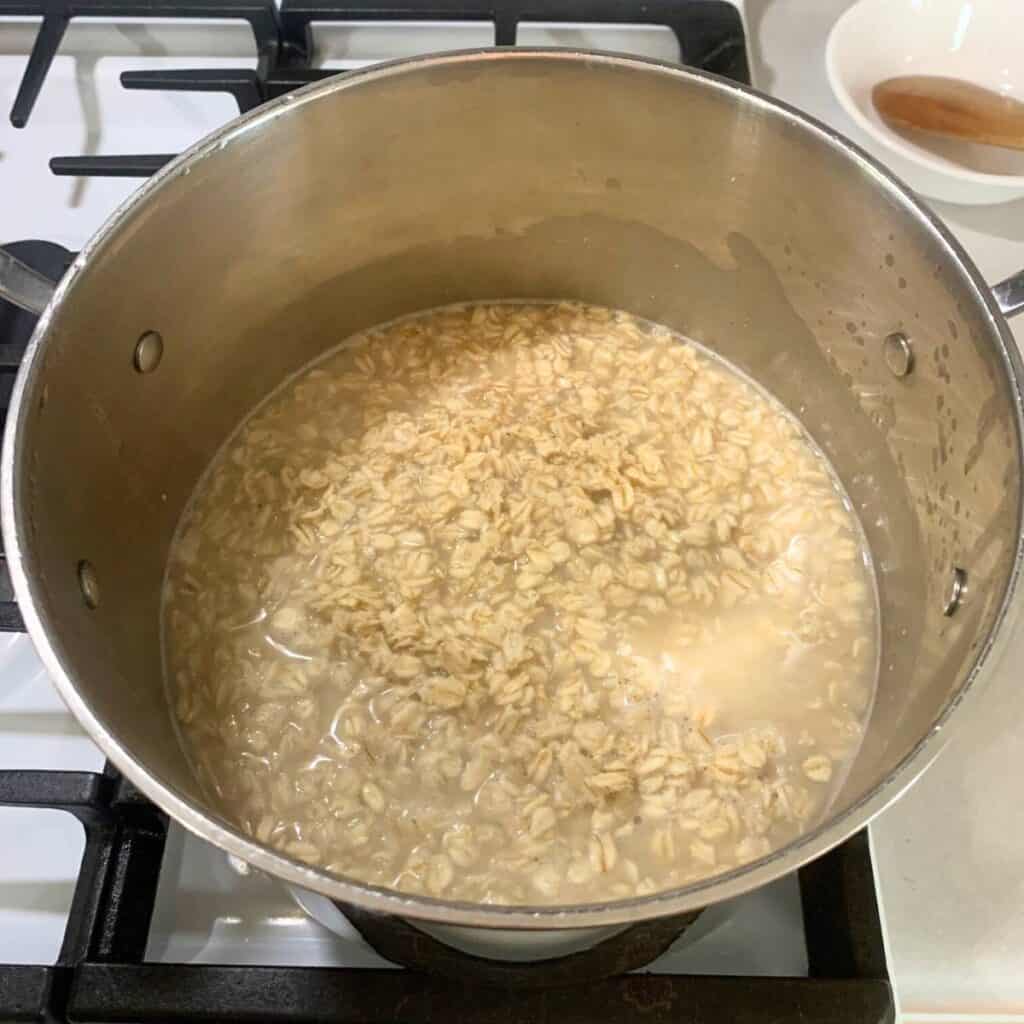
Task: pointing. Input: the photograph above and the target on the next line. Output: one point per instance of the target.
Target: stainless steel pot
(685, 199)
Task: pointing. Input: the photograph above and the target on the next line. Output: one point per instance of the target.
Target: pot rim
(733, 883)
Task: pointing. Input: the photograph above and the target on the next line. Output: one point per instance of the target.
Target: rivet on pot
(149, 350)
(956, 592)
(899, 356)
(239, 866)
(88, 584)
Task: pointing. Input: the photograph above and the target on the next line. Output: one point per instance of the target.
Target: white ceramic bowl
(981, 41)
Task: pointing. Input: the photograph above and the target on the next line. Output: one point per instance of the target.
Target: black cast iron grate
(709, 33)
(101, 975)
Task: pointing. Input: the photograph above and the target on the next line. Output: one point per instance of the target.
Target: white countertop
(949, 855)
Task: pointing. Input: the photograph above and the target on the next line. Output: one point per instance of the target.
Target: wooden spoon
(951, 108)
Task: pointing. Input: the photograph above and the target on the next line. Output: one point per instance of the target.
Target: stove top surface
(132, 919)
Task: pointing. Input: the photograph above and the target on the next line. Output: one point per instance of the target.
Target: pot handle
(25, 287)
(30, 291)
(1009, 294)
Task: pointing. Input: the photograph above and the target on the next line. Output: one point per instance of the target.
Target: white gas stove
(966, 875)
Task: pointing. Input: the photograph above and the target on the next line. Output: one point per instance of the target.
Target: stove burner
(403, 943)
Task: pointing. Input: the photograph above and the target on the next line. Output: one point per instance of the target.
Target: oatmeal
(521, 604)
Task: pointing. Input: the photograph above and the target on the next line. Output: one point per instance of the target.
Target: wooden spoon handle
(951, 108)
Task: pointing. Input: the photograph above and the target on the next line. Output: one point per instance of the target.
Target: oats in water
(521, 604)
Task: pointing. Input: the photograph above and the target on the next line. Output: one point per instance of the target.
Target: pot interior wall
(538, 177)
